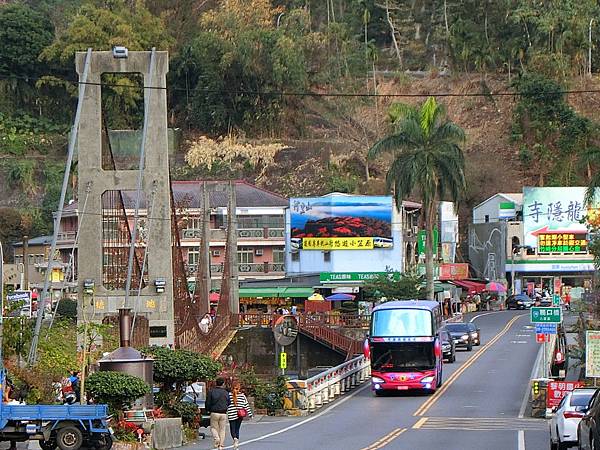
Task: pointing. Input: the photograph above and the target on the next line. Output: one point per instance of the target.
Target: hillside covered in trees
(290, 94)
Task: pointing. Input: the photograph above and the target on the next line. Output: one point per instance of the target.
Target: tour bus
(404, 346)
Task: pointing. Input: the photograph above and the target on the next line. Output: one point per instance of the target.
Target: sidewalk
(573, 365)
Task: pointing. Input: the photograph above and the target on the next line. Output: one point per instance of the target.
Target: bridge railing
(327, 319)
(309, 395)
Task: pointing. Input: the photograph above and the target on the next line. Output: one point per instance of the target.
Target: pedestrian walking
(236, 412)
(217, 402)
(568, 301)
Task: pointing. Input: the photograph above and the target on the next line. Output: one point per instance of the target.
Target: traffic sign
(541, 338)
(545, 328)
(546, 315)
(283, 360)
(556, 300)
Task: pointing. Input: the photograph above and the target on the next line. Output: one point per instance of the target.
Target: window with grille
(278, 256)
(245, 255)
(193, 255)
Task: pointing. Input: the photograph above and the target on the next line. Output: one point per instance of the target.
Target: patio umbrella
(494, 286)
(340, 297)
(316, 296)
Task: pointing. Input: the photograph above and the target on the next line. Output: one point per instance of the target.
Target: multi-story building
(260, 228)
(535, 240)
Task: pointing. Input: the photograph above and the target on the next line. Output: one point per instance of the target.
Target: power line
(259, 93)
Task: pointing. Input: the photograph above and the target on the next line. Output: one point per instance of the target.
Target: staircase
(332, 339)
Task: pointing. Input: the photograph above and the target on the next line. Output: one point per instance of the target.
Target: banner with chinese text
(592, 354)
(341, 222)
(551, 219)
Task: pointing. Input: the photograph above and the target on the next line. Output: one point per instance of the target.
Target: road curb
(525, 404)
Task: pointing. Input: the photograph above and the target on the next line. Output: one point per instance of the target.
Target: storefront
(269, 299)
(538, 276)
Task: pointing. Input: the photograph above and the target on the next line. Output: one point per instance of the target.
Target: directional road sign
(545, 328)
(556, 300)
(546, 315)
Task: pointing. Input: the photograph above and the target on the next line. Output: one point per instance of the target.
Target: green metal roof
(277, 291)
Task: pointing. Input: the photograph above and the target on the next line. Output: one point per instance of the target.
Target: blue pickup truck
(67, 427)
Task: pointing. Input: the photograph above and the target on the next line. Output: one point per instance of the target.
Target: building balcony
(243, 269)
(66, 236)
(250, 234)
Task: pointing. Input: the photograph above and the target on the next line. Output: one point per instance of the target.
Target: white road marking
(518, 342)
(484, 314)
(310, 419)
(520, 440)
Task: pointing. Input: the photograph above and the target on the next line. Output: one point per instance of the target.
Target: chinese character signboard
(458, 271)
(422, 238)
(341, 222)
(328, 277)
(562, 243)
(551, 219)
(592, 354)
(540, 338)
(558, 389)
(545, 315)
(545, 328)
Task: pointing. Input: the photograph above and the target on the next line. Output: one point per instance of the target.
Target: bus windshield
(409, 356)
(402, 322)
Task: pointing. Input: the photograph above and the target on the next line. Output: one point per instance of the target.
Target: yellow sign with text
(338, 243)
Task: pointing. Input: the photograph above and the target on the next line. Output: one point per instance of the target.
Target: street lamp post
(515, 249)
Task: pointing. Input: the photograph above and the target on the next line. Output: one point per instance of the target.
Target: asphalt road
(477, 408)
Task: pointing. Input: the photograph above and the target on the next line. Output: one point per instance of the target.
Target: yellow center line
(385, 439)
(420, 423)
(422, 410)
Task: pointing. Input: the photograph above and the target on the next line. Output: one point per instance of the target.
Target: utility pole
(25, 286)
(232, 234)
(1, 303)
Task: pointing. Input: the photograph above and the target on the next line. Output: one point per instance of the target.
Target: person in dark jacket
(217, 402)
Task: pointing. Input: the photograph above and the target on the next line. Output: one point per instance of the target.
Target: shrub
(181, 366)
(187, 411)
(116, 389)
(67, 309)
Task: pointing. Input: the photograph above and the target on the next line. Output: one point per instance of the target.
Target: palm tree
(591, 158)
(427, 158)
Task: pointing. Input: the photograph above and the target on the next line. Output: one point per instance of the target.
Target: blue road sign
(545, 328)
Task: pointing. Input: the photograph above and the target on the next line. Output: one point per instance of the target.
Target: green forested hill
(291, 93)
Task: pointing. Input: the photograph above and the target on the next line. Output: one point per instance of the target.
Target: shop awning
(276, 292)
(472, 287)
(438, 286)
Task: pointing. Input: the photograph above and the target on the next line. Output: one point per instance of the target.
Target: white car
(566, 418)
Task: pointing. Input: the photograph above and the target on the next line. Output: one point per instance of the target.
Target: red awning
(472, 287)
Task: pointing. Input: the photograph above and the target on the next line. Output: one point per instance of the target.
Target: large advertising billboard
(341, 222)
(552, 219)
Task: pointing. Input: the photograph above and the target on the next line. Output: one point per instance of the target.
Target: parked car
(519, 301)
(566, 418)
(461, 334)
(475, 333)
(448, 346)
(588, 430)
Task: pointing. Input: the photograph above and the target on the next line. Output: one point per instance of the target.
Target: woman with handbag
(237, 410)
